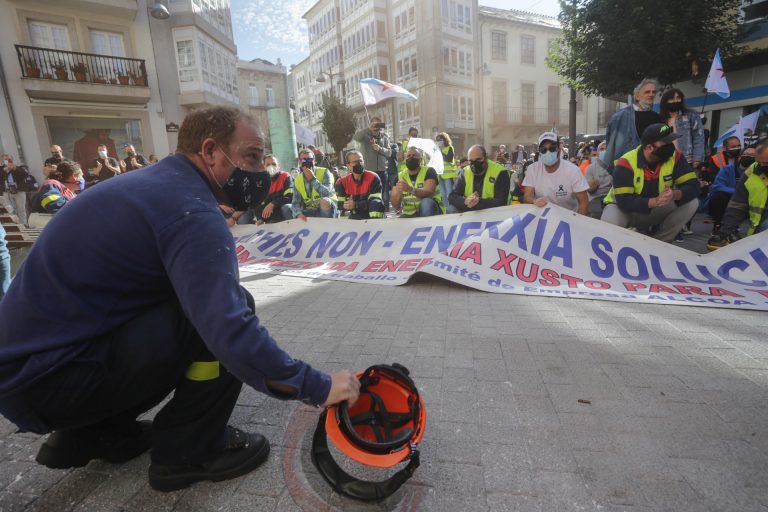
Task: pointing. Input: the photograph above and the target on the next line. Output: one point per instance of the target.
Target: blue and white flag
(739, 129)
(375, 90)
(716, 81)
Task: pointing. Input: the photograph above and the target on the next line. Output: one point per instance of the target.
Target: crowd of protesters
(159, 308)
(652, 173)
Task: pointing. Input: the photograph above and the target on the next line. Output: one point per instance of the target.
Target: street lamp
(330, 75)
(160, 11)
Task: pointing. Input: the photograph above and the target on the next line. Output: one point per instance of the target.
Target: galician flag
(375, 90)
(716, 81)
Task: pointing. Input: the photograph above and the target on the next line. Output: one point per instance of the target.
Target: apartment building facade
(522, 97)
(78, 73)
(479, 72)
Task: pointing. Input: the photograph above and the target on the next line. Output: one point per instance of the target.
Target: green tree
(608, 46)
(338, 123)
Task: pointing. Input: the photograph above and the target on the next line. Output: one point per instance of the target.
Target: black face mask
(479, 168)
(246, 189)
(674, 106)
(746, 161)
(358, 168)
(664, 152)
(733, 153)
(412, 163)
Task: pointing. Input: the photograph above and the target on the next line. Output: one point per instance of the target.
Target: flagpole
(706, 97)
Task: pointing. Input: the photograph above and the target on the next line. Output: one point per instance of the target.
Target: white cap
(547, 136)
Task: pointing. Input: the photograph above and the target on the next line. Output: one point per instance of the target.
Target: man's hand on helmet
(344, 386)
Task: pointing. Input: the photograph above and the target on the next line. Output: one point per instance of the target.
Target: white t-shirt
(558, 187)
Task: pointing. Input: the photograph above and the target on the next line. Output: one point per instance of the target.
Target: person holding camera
(313, 193)
(374, 144)
(15, 182)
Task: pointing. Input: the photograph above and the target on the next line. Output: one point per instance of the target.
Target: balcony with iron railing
(522, 116)
(60, 74)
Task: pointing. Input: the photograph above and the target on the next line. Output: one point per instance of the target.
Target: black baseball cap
(658, 132)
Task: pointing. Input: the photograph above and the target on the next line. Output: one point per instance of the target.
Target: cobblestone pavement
(538, 404)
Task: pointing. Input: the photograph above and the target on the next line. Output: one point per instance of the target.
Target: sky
(272, 29)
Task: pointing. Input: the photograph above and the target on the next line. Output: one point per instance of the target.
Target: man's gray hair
(419, 151)
(353, 152)
(643, 83)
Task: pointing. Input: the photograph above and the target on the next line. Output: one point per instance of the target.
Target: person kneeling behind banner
(417, 188)
(482, 184)
(382, 429)
(747, 203)
(313, 192)
(653, 185)
(359, 192)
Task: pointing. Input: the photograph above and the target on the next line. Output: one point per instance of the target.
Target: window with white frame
(457, 61)
(498, 45)
(215, 64)
(405, 21)
(253, 95)
(409, 114)
(185, 60)
(406, 66)
(49, 35)
(457, 15)
(107, 43)
(460, 109)
(527, 49)
(270, 96)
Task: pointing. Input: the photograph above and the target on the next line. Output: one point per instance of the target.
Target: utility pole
(572, 124)
(572, 112)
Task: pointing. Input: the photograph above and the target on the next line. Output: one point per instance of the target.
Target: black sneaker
(244, 453)
(75, 448)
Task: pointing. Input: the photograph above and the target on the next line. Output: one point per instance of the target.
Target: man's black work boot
(243, 453)
(74, 448)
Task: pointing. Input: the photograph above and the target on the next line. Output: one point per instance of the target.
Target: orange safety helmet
(382, 429)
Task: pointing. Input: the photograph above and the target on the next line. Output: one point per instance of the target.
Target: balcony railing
(519, 116)
(47, 64)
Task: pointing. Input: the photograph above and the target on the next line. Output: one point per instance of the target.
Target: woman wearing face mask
(686, 123)
(448, 179)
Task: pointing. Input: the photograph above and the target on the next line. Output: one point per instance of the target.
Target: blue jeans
(5, 264)
(446, 187)
(328, 213)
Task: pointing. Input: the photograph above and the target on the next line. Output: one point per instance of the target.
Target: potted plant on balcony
(138, 79)
(60, 69)
(122, 76)
(31, 68)
(80, 70)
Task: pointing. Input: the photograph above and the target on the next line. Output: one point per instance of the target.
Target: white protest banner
(514, 249)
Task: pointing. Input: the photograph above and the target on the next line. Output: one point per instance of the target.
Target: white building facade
(479, 73)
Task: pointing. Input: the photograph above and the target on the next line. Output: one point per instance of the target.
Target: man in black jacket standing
(15, 182)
